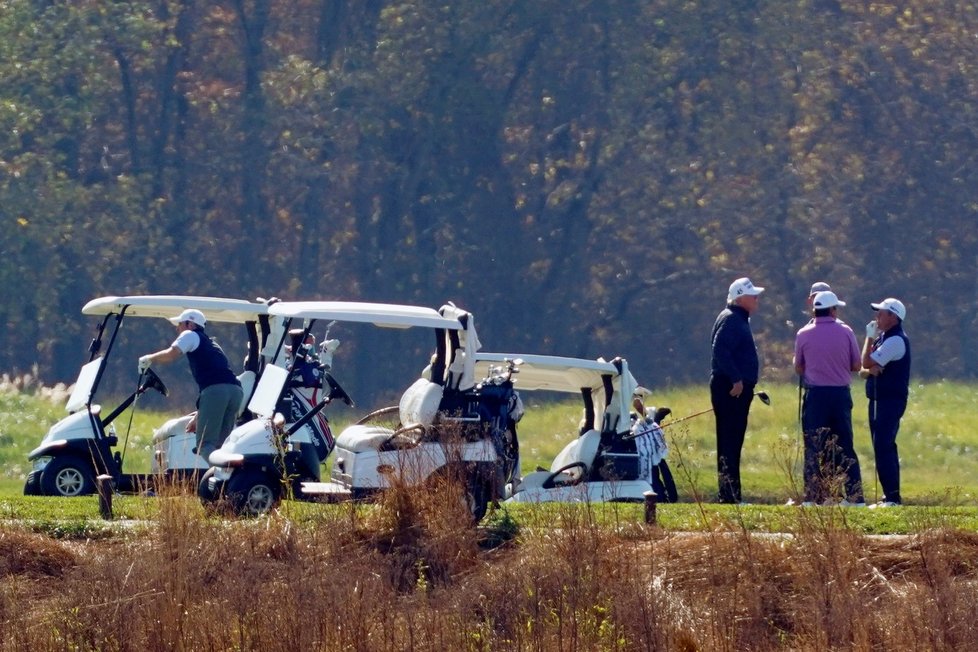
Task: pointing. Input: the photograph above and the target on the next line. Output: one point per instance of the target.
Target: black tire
(204, 491)
(468, 489)
(32, 486)
(477, 499)
(68, 476)
(252, 492)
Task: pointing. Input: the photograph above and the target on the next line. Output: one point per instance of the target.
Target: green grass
(937, 442)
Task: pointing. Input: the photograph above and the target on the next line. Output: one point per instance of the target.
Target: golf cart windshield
(605, 387)
(82, 392)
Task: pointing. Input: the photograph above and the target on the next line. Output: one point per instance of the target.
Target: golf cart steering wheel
(405, 437)
(551, 481)
(335, 391)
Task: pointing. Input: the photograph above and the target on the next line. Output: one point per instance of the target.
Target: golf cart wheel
(467, 491)
(252, 492)
(67, 476)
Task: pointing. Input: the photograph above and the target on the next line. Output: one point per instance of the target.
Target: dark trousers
(731, 419)
(826, 419)
(884, 423)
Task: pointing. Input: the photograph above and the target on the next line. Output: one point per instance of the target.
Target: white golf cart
(603, 464)
(82, 446)
(446, 425)
(281, 452)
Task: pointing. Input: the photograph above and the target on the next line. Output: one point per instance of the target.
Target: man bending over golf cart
(220, 392)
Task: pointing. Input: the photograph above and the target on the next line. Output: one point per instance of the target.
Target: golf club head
(765, 399)
(149, 380)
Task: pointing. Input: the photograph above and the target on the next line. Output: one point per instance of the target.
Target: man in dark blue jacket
(886, 367)
(732, 379)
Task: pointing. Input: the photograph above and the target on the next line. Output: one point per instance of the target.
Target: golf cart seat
(419, 403)
(571, 465)
(582, 450)
(172, 428)
(362, 437)
(417, 410)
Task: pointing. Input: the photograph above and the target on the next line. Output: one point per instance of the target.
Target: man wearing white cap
(734, 373)
(220, 391)
(818, 286)
(886, 367)
(826, 354)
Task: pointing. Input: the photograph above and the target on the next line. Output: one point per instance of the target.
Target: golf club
(865, 375)
(761, 395)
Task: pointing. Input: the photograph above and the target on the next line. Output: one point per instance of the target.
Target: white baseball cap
(743, 287)
(191, 315)
(826, 300)
(893, 305)
(820, 286)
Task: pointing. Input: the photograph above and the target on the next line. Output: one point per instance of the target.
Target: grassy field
(936, 443)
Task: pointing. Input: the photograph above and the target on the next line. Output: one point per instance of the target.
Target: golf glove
(144, 363)
(872, 330)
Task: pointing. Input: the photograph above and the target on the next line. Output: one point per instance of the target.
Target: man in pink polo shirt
(826, 355)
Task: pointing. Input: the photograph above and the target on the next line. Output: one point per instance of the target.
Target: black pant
(884, 423)
(731, 419)
(829, 452)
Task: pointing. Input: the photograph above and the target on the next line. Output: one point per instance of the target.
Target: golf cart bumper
(212, 485)
(621, 491)
(329, 491)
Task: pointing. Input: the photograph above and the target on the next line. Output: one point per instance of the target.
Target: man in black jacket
(886, 367)
(732, 379)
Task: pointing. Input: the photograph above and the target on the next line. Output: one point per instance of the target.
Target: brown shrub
(361, 578)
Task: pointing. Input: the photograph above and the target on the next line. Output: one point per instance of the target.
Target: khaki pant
(217, 410)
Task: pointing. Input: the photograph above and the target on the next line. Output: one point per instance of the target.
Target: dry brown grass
(410, 574)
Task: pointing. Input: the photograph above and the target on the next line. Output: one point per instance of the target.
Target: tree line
(587, 179)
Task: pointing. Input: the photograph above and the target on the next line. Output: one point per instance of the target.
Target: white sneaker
(884, 503)
(793, 503)
(846, 503)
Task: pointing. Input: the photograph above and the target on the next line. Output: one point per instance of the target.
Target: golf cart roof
(549, 372)
(572, 375)
(384, 315)
(215, 309)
